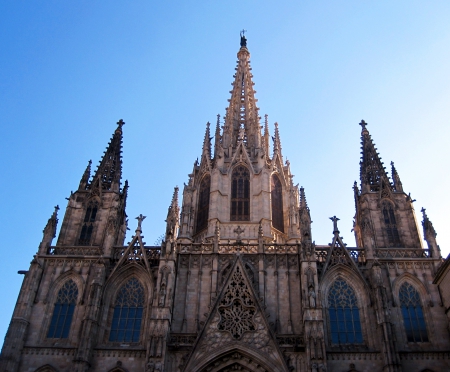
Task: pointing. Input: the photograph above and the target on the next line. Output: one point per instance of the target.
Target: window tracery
(203, 203)
(277, 203)
(88, 223)
(240, 194)
(237, 307)
(128, 309)
(391, 226)
(345, 324)
(412, 312)
(63, 310)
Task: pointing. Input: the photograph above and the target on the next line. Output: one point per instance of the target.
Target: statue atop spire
(243, 39)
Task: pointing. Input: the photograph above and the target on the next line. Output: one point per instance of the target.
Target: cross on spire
(363, 124)
(120, 123)
(140, 218)
(335, 227)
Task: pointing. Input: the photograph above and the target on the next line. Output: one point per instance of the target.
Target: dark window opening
(413, 318)
(63, 311)
(203, 203)
(277, 204)
(240, 194)
(345, 324)
(393, 237)
(88, 224)
(128, 310)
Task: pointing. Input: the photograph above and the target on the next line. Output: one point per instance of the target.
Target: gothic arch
(52, 296)
(113, 286)
(203, 200)
(276, 197)
(246, 358)
(59, 282)
(362, 293)
(415, 282)
(424, 294)
(46, 368)
(240, 200)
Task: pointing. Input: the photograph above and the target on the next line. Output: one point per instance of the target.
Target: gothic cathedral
(238, 283)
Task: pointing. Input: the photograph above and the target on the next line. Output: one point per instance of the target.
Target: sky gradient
(70, 70)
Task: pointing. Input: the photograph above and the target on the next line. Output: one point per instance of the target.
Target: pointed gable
(235, 321)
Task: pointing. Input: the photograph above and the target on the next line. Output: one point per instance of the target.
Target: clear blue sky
(70, 69)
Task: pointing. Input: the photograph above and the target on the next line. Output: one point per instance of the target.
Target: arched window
(88, 223)
(412, 312)
(345, 324)
(203, 203)
(127, 316)
(63, 310)
(277, 204)
(240, 194)
(391, 225)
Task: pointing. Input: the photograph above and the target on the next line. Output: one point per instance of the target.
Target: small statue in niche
(150, 366)
(312, 296)
(162, 295)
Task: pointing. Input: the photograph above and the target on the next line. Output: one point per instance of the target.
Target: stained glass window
(203, 203)
(391, 226)
(128, 309)
(63, 310)
(345, 324)
(240, 194)
(412, 312)
(88, 224)
(277, 204)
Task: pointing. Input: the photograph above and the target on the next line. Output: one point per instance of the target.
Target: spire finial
(86, 175)
(396, 179)
(335, 227)
(363, 125)
(140, 218)
(243, 38)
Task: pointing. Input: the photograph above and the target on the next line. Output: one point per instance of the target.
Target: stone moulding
(354, 356)
(48, 351)
(438, 355)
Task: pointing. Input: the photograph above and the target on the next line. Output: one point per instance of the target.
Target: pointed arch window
(63, 310)
(240, 194)
(345, 324)
(88, 223)
(203, 203)
(277, 203)
(128, 309)
(390, 223)
(412, 312)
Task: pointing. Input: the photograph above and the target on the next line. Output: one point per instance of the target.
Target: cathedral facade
(237, 284)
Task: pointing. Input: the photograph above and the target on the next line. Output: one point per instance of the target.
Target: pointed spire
(110, 168)
(173, 215)
(430, 234)
(85, 178)
(396, 179)
(207, 141)
(49, 232)
(276, 140)
(303, 203)
(266, 135)
(242, 110)
(372, 173)
(428, 228)
(217, 137)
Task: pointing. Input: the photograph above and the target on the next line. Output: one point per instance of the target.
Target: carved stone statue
(312, 297)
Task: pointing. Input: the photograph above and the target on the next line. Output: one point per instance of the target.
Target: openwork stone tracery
(237, 308)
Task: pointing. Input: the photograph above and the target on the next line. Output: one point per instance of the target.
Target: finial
(120, 123)
(56, 210)
(243, 38)
(363, 125)
(140, 218)
(335, 227)
(425, 217)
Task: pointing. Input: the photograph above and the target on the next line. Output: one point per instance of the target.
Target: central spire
(242, 112)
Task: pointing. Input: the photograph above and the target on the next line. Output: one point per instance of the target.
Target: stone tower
(237, 283)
